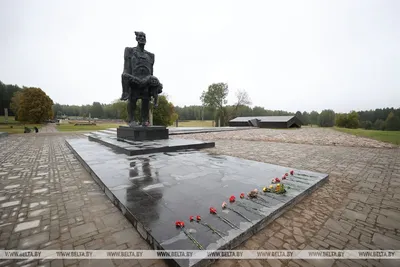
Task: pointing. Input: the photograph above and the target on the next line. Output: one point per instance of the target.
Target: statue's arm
(127, 63)
(152, 63)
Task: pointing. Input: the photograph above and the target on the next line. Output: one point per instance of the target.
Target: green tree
(57, 110)
(306, 118)
(84, 110)
(341, 120)
(215, 97)
(367, 125)
(353, 120)
(33, 105)
(96, 111)
(350, 120)
(392, 122)
(109, 112)
(244, 111)
(379, 124)
(326, 118)
(120, 108)
(7, 92)
(299, 115)
(15, 103)
(259, 111)
(164, 113)
(314, 117)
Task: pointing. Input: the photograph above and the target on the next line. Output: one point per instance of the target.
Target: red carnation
(213, 210)
(232, 199)
(179, 224)
(242, 195)
(277, 180)
(283, 177)
(291, 172)
(191, 218)
(286, 174)
(198, 218)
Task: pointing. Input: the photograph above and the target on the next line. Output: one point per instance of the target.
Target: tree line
(163, 114)
(198, 112)
(378, 119)
(33, 105)
(6, 93)
(30, 104)
(214, 106)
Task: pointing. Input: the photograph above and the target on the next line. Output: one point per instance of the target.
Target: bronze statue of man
(138, 81)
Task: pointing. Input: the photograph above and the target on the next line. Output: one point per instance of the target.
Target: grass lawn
(194, 124)
(17, 128)
(11, 119)
(384, 136)
(99, 126)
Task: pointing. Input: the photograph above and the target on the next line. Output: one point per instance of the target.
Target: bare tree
(242, 99)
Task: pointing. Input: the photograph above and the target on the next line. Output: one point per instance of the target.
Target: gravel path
(312, 136)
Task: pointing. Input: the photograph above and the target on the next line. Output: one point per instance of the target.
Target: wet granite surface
(155, 190)
(140, 133)
(3, 134)
(130, 148)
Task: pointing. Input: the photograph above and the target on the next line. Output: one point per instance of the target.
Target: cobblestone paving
(306, 135)
(48, 128)
(48, 201)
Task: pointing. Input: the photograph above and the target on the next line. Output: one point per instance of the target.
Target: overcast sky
(288, 55)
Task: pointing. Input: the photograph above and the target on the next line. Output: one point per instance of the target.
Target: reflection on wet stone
(159, 189)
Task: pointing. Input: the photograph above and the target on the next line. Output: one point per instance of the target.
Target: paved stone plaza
(48, 201)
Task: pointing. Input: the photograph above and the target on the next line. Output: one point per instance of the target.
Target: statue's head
(140, 37)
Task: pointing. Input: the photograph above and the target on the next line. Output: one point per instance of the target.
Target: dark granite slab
(130, 148)
(3, 134)
(140, 133)
(155, 190)
(192, 130)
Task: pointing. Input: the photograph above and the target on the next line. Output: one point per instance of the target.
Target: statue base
(141, 133)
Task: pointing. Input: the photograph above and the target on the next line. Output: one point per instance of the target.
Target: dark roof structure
(266, 122)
